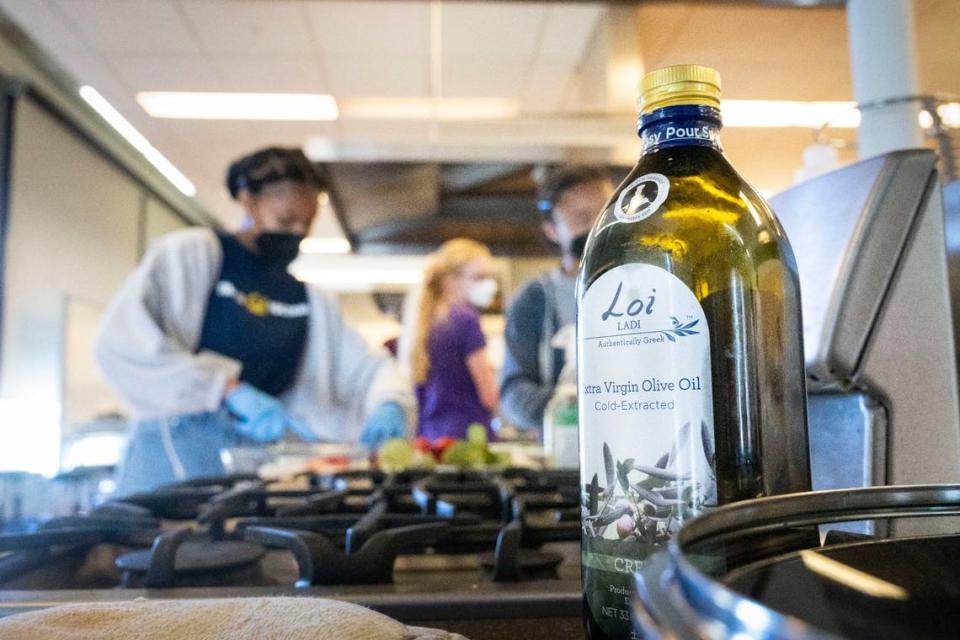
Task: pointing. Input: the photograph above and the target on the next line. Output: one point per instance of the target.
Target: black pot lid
(199, 557)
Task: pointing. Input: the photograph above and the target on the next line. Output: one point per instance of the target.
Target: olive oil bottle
(689, 343)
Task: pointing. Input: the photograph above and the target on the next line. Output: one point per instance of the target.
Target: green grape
(477, 434)
(396, 455)
(465, 455)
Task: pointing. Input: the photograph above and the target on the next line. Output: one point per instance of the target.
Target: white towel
(227, 619)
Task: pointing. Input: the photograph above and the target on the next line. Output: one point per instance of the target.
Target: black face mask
(278, 248)
(577, 245)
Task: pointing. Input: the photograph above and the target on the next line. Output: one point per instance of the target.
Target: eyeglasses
(477, 277)
(288, 189)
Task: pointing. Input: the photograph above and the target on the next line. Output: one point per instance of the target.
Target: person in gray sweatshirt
(211, 341)
(569, 200)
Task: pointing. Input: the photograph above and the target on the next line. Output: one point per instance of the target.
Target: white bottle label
(646, 412)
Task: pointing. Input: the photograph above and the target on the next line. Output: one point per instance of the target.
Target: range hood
(413, 207)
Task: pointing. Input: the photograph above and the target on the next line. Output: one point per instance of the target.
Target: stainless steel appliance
(951, 206)
(483, 554)
(869, 241)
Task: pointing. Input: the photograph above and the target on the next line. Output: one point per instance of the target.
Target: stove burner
(121, 509)
(254, 499)
(449, 494)
(368, 480)
(179, 501)
(132, 531)
(77, 531)
(174, 555)
(320, 562)
(511, 562)
(344, 529)
(219, 483)
(170, 504)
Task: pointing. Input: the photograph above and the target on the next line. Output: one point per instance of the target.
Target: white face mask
(481, 293)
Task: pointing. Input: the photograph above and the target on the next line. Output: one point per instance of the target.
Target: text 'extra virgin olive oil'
(689, 342)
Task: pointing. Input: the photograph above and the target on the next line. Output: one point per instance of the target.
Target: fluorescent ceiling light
(789, 113)
(323, 107)
(736, 113)
(325, 245)
(135, 138)
(414, 108)
(238, 106)
(950, 114)
(358, 279)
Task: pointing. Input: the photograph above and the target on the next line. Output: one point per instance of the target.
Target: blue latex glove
(388, 421)
(262, 417)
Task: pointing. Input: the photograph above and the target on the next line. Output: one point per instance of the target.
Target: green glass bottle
(689, 343)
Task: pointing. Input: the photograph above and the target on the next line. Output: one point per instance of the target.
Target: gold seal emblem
(257, 304)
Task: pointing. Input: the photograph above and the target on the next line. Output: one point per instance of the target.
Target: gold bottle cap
(680, 84)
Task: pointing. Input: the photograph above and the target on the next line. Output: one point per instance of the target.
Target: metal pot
(783, 568)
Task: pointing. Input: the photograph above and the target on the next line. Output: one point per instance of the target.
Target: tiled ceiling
(559, 60)
(789, 53)
(771, 53)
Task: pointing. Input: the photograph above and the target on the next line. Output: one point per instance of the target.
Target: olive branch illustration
(680, 329)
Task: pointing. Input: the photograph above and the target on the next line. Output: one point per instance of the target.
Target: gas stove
(480, 553)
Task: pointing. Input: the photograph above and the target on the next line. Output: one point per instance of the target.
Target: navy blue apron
(257, 314)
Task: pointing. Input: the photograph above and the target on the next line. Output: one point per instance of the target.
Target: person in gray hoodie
(569, 200)
(212, 341)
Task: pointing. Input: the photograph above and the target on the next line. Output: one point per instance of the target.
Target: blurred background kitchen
(427, 120)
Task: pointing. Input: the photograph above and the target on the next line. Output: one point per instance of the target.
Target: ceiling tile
(168, 73)
(90, 69)
(657, 25)
(525, 50)
(158, 132)
(567, 31)
(288, 134)
(203, 153)
(277, 73)
(223, 137)
(940, 77)
(162, 138)
(478, 30)
(44, 25)
(130, 26)
(546, 86)
(384, 131)
(938, 23)
(357, 28)
(783, 79)
(483, 76)
(253, 26)
(377, 75)
(776, 48)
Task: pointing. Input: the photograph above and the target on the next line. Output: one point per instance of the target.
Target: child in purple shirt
(456, 385)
